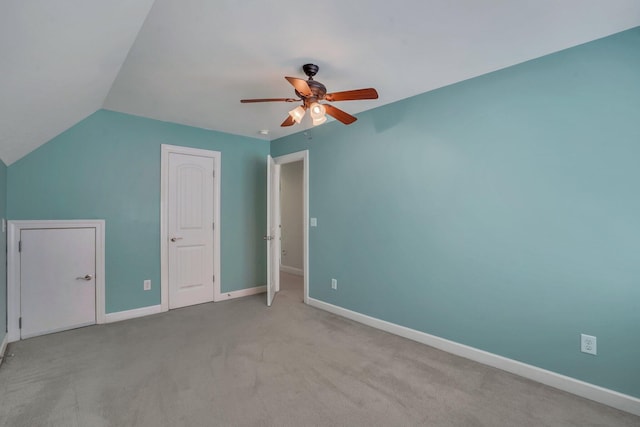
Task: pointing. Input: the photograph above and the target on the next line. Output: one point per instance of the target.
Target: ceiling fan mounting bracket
(310, 70)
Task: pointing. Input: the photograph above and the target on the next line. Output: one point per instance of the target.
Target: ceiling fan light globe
(297, 114)
(319, 120)
(317, 110)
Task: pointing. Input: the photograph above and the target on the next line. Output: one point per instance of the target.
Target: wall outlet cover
(588, 344)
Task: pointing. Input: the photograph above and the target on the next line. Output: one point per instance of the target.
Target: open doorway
(292, 229)
(288, 225)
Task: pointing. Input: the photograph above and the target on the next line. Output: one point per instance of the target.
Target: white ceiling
(191, 61)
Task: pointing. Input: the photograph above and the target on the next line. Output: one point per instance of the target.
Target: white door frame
(13, 266)
(164, 226)
(304, 157)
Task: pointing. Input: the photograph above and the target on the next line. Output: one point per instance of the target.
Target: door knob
(267, 237)
(175, 239)
(87, 277)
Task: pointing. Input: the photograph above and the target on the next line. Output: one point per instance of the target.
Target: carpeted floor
(239, 363)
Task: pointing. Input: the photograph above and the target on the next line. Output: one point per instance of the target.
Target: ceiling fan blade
(300, 85)
(288, 122)
(245, 101)
(340, 115)
(352, 95)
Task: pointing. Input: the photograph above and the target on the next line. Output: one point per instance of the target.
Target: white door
(273, 229)
(190, 229)
(57, 279)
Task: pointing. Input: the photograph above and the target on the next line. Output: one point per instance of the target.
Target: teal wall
(108, 167)
(502, 212)
(3, 252)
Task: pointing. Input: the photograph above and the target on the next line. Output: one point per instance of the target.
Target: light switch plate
(314, 222)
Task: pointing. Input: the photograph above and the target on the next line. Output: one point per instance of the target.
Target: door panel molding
(166, 150)
(13, 266)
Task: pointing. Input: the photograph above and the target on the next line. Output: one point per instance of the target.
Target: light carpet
(240, 363)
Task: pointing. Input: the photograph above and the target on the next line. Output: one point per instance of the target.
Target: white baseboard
(599, 394)
(292, 270)
(241, 293)
(3, 347)
(155, 309)
(132, 314)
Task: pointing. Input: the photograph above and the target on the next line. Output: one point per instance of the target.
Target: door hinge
(214, 278)
(20, 246)
(213, 225)
(19, 322)
(214, 173)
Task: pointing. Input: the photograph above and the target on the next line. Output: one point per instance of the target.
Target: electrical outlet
(147, 285)
(334, 284)
(588, 344)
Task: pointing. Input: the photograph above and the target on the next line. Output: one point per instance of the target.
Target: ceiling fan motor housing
(318, 90)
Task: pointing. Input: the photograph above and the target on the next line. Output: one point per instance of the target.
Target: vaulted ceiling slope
(191, 61)
(58, 60)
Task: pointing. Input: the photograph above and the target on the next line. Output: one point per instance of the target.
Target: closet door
(57, 279)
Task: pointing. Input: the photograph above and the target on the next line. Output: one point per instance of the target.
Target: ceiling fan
(311, 92)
